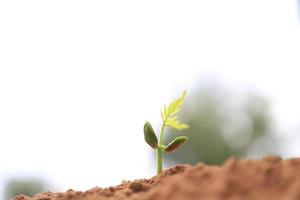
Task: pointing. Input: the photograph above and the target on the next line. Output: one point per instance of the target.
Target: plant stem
(159, 160)
(159, 150)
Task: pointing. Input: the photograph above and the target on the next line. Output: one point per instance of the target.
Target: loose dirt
(268, 178)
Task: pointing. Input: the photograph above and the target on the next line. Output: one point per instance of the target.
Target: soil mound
(268, 178)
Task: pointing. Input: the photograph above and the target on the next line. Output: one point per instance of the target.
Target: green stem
(159, 150)
(159, 160)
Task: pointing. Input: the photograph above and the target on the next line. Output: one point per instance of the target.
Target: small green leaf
(175, 144)
(169, 115)
(176, 124)
(150, 136)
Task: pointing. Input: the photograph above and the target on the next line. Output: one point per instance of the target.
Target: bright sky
(79, 78)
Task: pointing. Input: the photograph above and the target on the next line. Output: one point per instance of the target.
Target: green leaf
(169, 113)
(175, 144)
(176, 124)
(150, 136)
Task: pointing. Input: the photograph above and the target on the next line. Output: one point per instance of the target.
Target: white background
(79, 78)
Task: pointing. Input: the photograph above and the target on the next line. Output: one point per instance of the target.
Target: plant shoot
(169, 117)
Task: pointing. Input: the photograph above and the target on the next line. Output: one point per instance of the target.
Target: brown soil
(269, 178)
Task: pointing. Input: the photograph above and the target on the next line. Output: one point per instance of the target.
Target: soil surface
(268, 178)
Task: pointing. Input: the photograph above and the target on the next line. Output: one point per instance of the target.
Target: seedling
(169, 116)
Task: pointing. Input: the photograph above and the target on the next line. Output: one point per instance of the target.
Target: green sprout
(169, 116)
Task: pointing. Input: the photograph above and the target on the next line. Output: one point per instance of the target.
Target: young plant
(169, 116)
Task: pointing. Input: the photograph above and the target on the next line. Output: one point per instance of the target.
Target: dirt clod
(21, 197)
(136, 186)
(268, 178)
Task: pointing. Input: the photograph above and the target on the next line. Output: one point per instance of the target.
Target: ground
(267, 178)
